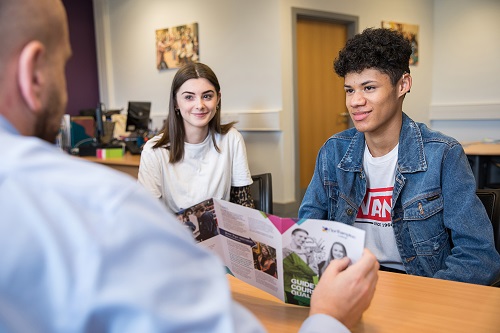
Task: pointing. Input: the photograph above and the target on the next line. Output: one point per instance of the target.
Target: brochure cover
(282, 256)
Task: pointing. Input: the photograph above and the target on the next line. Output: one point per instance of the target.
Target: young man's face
(374, 104)
(299, 238)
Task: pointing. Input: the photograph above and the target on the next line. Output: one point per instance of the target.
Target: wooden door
(321, 98)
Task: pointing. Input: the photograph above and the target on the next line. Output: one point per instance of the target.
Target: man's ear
(405, 85)
(31, 76)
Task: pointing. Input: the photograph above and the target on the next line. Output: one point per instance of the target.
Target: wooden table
(481, 153)
(128, 163)
(481, 148)
(402, 303)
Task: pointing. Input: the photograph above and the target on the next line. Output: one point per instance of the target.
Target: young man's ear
(31, 78)
(405, 85)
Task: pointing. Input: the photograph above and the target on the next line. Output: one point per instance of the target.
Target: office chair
(262, 192)
(491, 201)
(493, 172)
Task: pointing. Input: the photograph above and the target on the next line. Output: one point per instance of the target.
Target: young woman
(266, 261)
(195, 157)
(337, 251)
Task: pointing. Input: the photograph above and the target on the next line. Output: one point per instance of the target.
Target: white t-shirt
(374, 215)
(202, 174)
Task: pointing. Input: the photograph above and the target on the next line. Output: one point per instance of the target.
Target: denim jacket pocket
(425, 221)
(429, 236)
(424, 207)
(432, 246)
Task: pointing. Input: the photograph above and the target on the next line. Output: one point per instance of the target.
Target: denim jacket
(441, 227)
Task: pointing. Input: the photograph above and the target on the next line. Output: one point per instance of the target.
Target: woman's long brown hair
(173, 133)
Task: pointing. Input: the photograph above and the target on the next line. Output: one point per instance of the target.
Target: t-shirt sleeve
(150, 171)
(241, 173)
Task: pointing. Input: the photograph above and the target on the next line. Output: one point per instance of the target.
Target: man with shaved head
(35, 58)
(86, 249)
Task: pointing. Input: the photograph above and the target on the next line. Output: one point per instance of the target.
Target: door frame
(351, 23)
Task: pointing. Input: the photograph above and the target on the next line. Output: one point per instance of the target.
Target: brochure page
(282, 256)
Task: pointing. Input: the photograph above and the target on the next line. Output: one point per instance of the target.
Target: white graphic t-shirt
(374, 215)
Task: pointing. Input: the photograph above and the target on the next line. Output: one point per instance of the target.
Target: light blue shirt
(86, 249)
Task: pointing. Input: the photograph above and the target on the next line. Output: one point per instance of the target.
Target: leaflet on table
(282, 256)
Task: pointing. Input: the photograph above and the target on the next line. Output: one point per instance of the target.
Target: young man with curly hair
(410, 188)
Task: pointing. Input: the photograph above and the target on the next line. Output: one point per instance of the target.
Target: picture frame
(176, 46)
(410, 31)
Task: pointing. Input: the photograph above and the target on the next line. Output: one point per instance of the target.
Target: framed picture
(410, 31)
(176, 46)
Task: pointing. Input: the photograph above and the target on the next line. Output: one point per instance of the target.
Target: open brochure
(282, 256)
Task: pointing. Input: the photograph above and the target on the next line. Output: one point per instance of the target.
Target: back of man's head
(24, 20)
(383, 49)
(35, 49)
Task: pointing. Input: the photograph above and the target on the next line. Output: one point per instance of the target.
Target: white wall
(241, 49)
(466, 72)
(249, 46)
(370, 14)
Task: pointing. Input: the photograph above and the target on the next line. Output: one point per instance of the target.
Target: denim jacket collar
(410, 142)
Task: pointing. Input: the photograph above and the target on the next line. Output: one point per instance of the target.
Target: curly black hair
(383, 49)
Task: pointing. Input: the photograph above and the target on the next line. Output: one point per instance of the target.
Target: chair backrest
(493, 172)
(491, 201)
(262, 192)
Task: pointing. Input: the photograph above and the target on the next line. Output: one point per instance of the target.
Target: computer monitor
(138, 116)
(99, 125)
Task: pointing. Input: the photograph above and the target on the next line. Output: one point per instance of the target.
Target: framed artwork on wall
(410, 31)
(176, 46)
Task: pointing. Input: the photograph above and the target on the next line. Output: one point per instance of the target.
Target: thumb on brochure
(346, 292)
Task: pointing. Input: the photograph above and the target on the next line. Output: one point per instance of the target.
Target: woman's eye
(188, 97)
(207, 97)
(348, 91)
(368, 88)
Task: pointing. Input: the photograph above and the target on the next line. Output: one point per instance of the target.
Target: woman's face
(197, 101)
(338, 251)
(264, 251)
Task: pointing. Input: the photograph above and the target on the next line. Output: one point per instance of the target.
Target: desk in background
(128, 163)
(481, 155)
(402, 303)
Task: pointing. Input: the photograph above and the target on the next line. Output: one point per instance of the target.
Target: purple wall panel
(81, 70)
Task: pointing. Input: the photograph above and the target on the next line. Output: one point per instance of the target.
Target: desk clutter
(106, 133)
(104, 153)
(133, 147)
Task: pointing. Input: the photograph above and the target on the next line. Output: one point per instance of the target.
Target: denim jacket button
(421, 208)
(349, 211)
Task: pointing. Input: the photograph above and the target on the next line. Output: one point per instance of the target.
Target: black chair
(262, 192)
(491, 201)
(493, 172)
